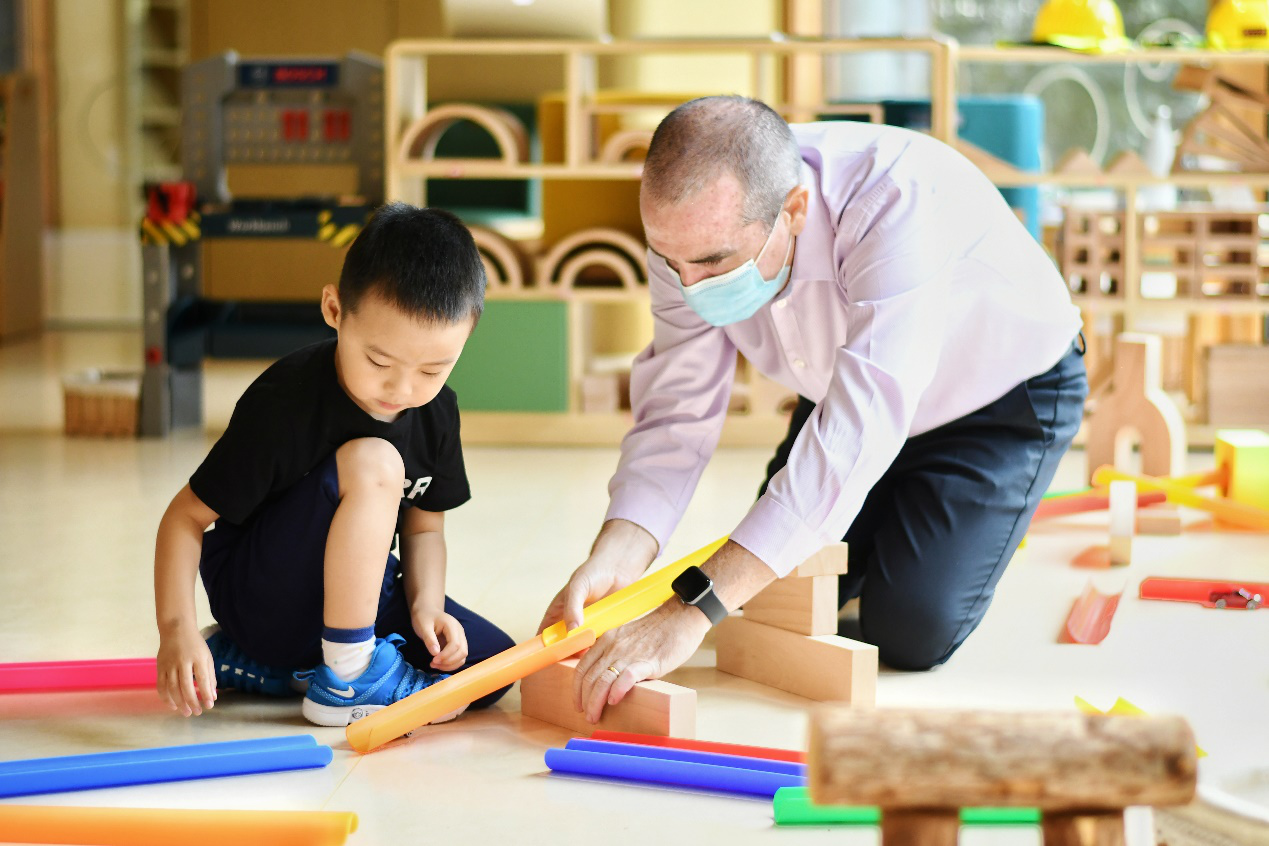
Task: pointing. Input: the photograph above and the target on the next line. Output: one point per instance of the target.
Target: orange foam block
(1090, 617)
(166, 826)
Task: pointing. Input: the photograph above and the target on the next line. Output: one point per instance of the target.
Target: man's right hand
(622, 551)
(186, 674)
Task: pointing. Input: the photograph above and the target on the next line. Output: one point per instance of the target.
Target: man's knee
(919, 639)
(369, 463)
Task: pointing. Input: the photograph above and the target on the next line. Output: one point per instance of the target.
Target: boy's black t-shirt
(295, 415)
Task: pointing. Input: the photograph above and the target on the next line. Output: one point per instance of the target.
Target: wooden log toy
(921, 767)
(554, 644)
(650, 707)
(165, 826)
(1137, 405)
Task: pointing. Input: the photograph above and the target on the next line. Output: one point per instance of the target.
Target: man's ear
(796, 202)
(332, 311)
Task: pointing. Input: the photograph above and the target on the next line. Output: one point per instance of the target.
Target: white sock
(347, 660)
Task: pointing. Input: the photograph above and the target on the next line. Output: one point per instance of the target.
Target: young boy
(330, 452)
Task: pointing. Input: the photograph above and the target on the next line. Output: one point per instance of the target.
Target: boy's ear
(332, 311)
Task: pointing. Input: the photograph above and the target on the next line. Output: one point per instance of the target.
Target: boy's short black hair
(421, 261)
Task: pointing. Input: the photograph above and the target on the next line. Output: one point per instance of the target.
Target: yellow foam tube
(554, 644)
(463, 688)
(636, 599)
(1228, 510)
(165, 826)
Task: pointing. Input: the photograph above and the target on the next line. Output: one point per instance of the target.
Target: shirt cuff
(647, 511)
(777, 536)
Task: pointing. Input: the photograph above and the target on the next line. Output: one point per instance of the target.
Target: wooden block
(1136, 406)
(651, 707)
(824, 668)
(829, 561)
(806, 605)
(1159, 520)
(1077, 162)
(1123, 512)
(1237, 385)
(1128, 163)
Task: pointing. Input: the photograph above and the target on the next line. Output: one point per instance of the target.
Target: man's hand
(646, 648)
(443, 636)
(183, 662)
(621, 552)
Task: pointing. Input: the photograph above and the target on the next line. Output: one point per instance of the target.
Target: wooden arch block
(503, 261)
(421, 137)
(551, 268)
(1137, 405)
(622, 144)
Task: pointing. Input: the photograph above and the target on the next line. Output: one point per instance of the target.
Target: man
(880, 275)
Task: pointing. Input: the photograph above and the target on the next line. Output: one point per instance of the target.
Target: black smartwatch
(695, 589)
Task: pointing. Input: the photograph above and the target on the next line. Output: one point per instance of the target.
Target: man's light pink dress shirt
(916, 296)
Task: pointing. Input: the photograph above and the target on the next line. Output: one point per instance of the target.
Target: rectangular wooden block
(1159, 520)
(827, 668)
(829, 561)
(651, 707)
(804, 605)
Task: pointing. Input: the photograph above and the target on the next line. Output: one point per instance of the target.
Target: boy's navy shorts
(264, 580)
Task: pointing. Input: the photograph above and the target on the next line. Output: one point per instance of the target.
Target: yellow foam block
(1245, 455)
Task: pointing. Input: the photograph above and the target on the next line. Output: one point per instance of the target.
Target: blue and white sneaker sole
(342, 715)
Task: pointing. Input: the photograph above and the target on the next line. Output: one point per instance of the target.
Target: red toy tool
(1208, 593)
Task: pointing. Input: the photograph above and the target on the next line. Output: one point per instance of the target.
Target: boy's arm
(183, 656)
(423, 567)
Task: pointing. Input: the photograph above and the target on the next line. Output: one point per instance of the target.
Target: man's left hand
(646, 648)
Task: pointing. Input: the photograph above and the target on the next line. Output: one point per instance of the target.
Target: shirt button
(799, 363)
(782, 304)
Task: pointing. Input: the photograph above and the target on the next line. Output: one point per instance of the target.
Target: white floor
(77, 522)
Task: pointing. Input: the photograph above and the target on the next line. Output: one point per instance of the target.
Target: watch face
(691, 585)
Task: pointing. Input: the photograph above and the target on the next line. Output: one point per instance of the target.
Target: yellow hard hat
(1238, 25)
(1080, 24)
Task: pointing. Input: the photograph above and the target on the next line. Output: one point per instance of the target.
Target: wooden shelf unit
(406, 71)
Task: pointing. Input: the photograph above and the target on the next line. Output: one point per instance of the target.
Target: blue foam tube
(690, 756)
(663, 771)
(172, 763)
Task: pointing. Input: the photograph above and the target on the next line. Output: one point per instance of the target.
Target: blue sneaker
(331, 701)
(235, 670)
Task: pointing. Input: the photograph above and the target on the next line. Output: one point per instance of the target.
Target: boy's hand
(184, 661)
(443, 636)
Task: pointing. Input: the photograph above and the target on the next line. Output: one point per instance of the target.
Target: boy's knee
(370, 462)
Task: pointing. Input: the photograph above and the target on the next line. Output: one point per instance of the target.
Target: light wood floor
(77, 522)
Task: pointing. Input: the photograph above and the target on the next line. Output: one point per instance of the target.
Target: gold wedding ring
(614, 671)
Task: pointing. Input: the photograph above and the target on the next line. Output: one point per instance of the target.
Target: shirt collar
(813, 258)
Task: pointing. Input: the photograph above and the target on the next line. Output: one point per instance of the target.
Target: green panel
(517, 359)
(793, 806)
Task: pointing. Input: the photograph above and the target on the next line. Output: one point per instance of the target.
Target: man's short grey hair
(704, 138)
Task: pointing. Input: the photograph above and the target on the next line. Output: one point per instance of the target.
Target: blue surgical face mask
(737, 294)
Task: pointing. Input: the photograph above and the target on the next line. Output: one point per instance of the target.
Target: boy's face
(386, 361)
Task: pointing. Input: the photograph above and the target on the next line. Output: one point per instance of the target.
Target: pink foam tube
(77, 675)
